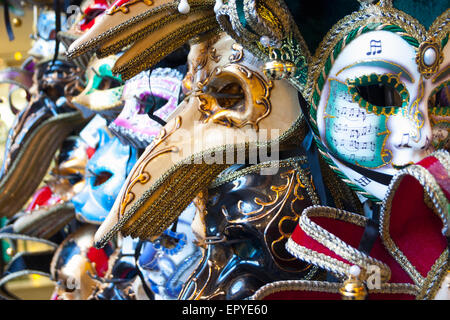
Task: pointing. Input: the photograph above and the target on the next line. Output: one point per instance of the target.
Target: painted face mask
(377, 96)
(105, 173)
(244, 239)
(45, 39)
(103, 92)
(76, 263)
(384, 105)
(168, 262)
(149, 100)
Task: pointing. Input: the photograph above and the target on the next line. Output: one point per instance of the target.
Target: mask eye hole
(149, 103)
(440, 98)
(101, 178)
(381, 95)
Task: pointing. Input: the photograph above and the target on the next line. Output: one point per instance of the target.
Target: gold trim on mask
(257, 105)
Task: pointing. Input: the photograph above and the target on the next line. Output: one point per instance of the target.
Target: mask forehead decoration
(103, 91)
(150, 97)
(106, 171)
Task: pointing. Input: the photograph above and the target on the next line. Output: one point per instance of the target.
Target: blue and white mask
(106, 172)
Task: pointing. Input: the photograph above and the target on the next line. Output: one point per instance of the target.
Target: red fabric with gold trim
(415, 229)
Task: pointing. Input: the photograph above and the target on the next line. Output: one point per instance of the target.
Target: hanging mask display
(103, 91)
(45, 37)
(105, 171)
(228, 96)
(149, 100)
(36, 134)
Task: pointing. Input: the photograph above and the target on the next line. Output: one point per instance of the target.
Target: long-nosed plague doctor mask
(229, 97)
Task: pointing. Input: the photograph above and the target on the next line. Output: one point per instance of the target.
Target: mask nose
(411, 134)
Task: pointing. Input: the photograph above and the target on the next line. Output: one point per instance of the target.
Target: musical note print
(363, 181)
(375, 47)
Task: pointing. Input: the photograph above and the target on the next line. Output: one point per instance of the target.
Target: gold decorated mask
(231, 113)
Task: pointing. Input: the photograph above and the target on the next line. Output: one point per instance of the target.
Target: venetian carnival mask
(384, 104)
(106, 171)
(229, 99)
(76, 263)
(227, 96)
(377, 85)
(149, 100)
(36, 134)
(244, 221)
(103, 90)
(45, 38)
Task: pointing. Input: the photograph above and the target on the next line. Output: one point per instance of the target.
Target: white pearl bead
(355, 271)
(265, 41)
(429, 56)
(183, 7)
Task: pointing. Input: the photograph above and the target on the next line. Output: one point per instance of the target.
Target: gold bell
(353, 288)
(289, 69)
(274, 70)
(277, 70)
(16, 22)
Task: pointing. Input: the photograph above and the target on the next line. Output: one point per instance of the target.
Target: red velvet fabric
(415, 229)
(439, 172)
(347, 232)
(351, 234)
